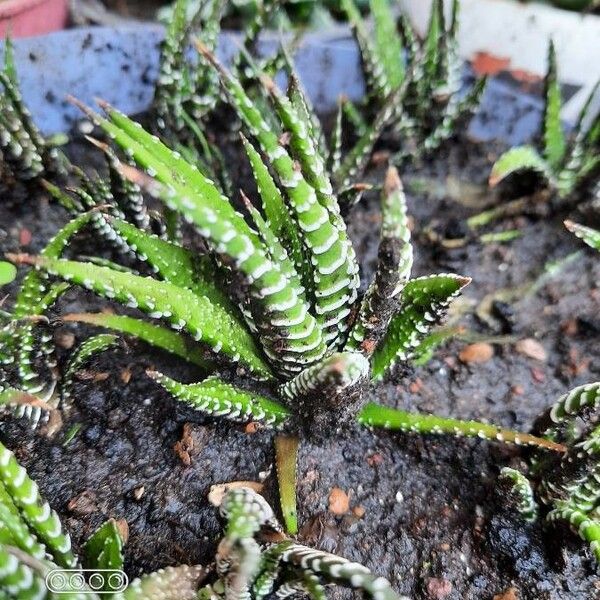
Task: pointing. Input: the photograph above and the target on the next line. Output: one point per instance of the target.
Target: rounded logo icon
(96, 581)
(86, 581)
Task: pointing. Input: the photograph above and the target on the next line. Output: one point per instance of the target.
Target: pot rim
(10, 8)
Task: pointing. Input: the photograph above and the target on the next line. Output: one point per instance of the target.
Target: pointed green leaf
(424, 302)
(221, 399)
(387, 41)
(378, 85)
(590, 236)
(273, 204)
(205, 321)
(171, 583)
(303, 106)
(9, 59)
(522, 158)
(104, 549)
(155, 335)
(395, 258)
(41, 519)
(176, 265)
(432, 47)
(554, 136)
(376, 415)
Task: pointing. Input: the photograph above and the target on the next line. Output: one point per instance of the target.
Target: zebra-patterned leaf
(41, 519)
(273, 204)
(218, 398)
(104, 549)
(424, 302)
(515, 160)
(554, 137)
(585, 524)
(375, 74)
(590, 236)
(329, 380)
(521, 493)
(155, 335)
(171, 583)
(388, 42)
(335, 569)
(19, 578)
(181, 308)
(394, 264)
(376, 415)
(325, 240)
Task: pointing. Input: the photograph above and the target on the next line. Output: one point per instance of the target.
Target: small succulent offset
(28, 368)
(277, 299)
(432, 107)
(188, 96)
(24, 150)
(566, 163)
(34, 547)
(568, 484)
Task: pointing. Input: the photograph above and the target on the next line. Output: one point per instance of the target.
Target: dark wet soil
(431, 521)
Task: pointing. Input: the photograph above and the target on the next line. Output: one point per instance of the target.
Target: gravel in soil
(421, 511)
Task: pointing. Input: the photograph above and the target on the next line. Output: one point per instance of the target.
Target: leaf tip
(392, 181)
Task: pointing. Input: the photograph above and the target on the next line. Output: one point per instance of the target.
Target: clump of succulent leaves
(567, 163)
(253, 560)
(567, 484)
(30, 382)
(188, 96)
(432, 108)
(297, 13)
(25, 153)
(272, 311)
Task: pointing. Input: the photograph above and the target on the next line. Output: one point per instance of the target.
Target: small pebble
(479, 352)
(510, 594)
(438, 588)
(252, 427)
(532, 349)
(399, 497)
(339, 503)
(538, 375)
(25, 237)
(415, 386)
(139, 492)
